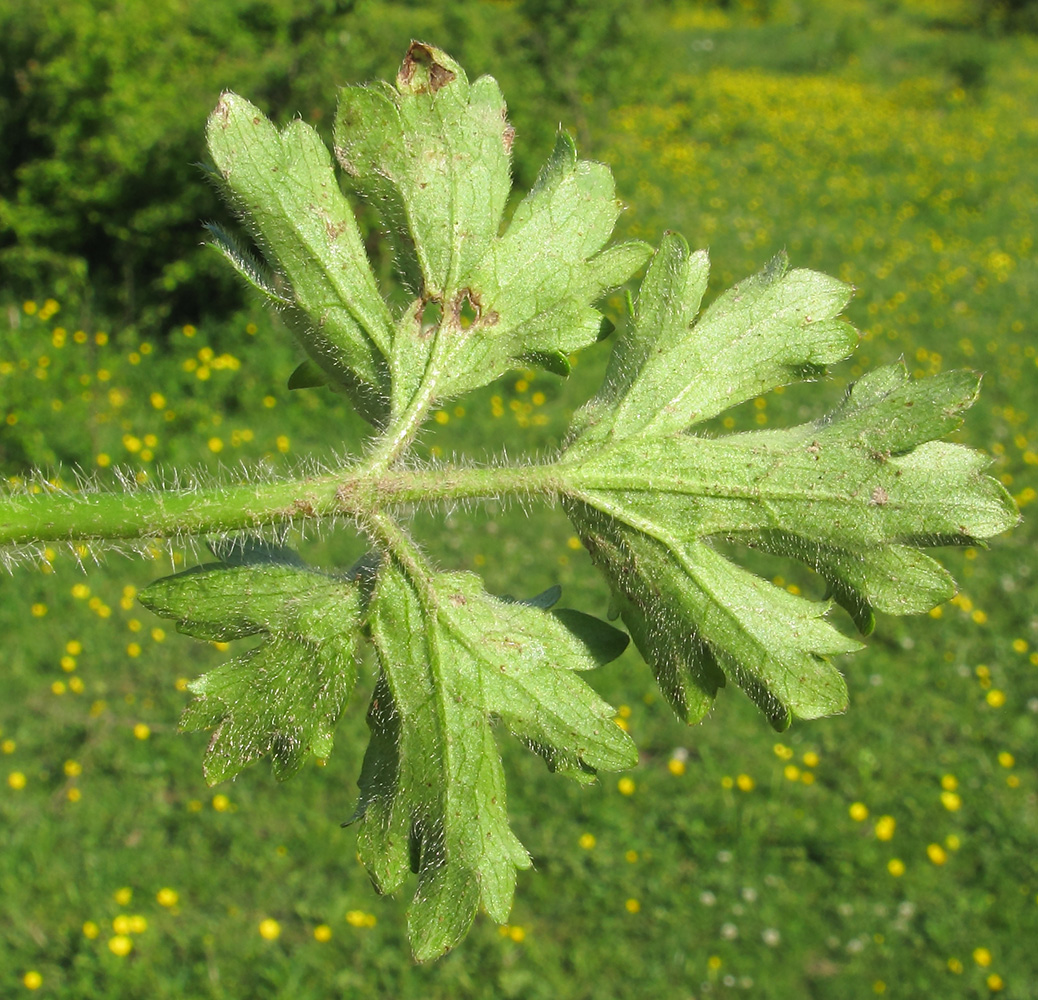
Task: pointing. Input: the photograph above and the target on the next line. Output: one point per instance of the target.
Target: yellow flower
(270, 929)
(951, 801)
(995, 698)
(142, 731)
(632, 906)
(982, 956)
(676, 767)
(120, 945)
(811, 758)
(167, 897)
(221, 803)
(885, 827)
(745, 783)
(858, 811)
(16, 780)
(322, 932)
(994, 982)
(32, 980)
(896, 867)
(626, 786)
(937, 854)
(587, 841)
(358, 918)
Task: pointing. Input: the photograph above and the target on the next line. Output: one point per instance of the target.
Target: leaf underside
(855, 496)
(432, 787)
(284, 696)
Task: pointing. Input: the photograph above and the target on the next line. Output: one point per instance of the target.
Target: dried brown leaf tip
(421, 73)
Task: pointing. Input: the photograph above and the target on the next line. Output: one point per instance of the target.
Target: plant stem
(401, 432)
(50, 515)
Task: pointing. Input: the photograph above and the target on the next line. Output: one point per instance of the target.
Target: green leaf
(698, 618)
(284, 185)
(246, 264)
(453, 658)
(432, 155)
(669, 371)
(853, 495)
(284, 696)
(307, 375)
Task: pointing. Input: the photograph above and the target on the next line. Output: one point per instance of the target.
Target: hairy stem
(403, 428)
(50, 515)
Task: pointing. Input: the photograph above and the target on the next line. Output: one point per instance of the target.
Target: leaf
(246, 264)
(452, 658)
(284, 696)
(698, 618)
(853, 495)
(284, 185)
(670, 371)
(432, 155)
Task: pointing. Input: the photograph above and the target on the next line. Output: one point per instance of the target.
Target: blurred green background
(891, 851)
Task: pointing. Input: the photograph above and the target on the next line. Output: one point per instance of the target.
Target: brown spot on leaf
(223, 112)
(879, 497)
(347, 164)
(333, 230)
(421, 73)
(508, 137)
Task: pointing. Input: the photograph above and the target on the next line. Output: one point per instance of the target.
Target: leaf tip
(426, 69)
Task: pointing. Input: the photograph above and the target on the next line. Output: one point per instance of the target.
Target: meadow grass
(890, 851)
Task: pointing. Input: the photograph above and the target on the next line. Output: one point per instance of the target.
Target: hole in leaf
(467, 314)
(431, 315)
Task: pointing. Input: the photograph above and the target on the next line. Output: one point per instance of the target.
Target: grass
(888, 851)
